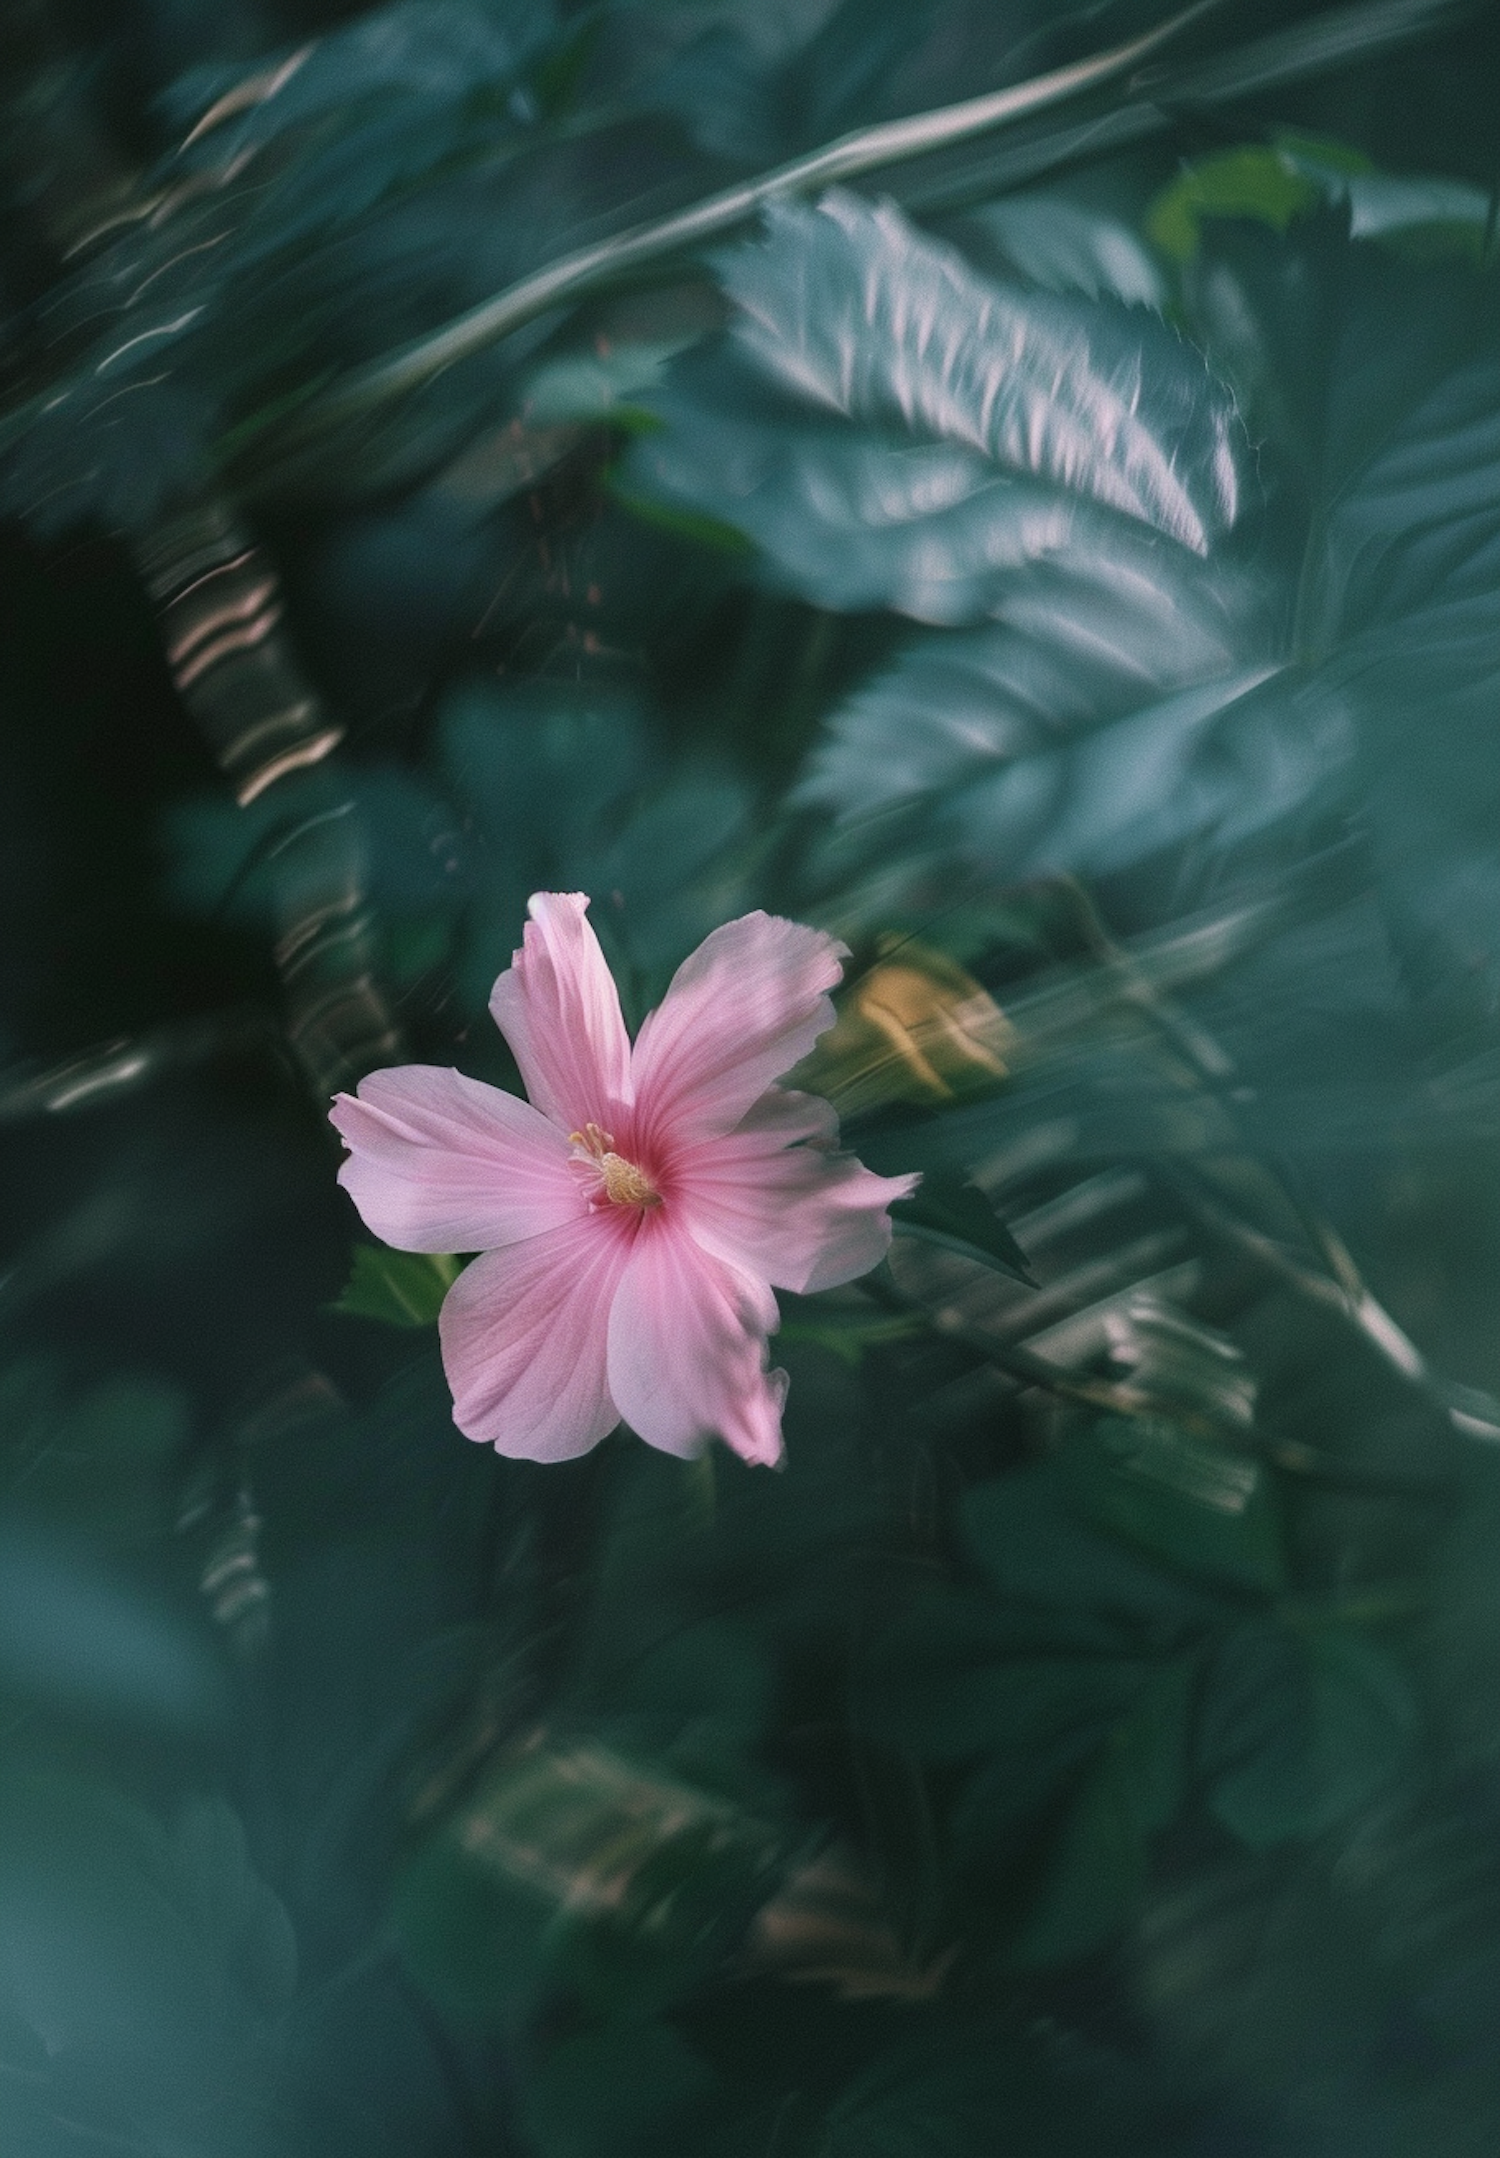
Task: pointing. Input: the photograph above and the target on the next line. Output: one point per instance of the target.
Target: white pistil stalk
(623, 1183)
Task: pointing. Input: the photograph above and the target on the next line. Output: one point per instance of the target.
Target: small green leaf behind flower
(398, 1288)
(950, 1211)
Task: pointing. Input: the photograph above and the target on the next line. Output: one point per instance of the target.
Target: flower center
(622, 1183)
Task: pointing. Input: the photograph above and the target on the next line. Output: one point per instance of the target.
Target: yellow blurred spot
(912, 1027)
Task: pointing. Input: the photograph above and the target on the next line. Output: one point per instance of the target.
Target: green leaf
(1204, 1506)
(559, 789)
(950, 1681)
(1101, 1861)
(94, 1642)
(1088, 1587)
(1137, 724)
(1254, 1970)
(949, 1210)
(1011, 745)
(891, 429)
(1422, 214)
(1252, 181)
(1416, 545)
(1422, 1871)
(1302, 1727)
(156, 1962)
(1274, 183)
(399, 1288)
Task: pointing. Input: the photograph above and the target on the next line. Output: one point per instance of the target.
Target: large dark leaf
(1302, 1727)
(1193, 1500)
(149, 1964)
(1135, 1787)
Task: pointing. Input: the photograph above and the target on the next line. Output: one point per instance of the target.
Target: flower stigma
(622, 1182)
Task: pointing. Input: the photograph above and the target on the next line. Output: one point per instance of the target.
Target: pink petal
(524, 1335)
(743, 1009)
(557, 1006)
(801, 1217)
(687, 1350)
(440, 1162)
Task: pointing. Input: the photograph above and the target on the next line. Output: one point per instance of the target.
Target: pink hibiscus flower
(635, 1215)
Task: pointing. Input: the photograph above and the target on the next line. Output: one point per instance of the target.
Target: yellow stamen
(624, 1184)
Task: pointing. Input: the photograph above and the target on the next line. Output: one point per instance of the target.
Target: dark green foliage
(1076, 589)
(572, 1866)
(1326, 1720)
(553, 792)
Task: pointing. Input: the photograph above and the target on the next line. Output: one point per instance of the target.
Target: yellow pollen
(623, 1182)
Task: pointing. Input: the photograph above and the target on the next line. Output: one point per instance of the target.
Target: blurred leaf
(151, 1962)
(569, 793)
(399, 1288)
(891, 429)
(826, 1926)
(984, 2083)
(1067, 246)
(601, 388)
(1381, 399)
(1302, 1726)
(1421, 1873)
(422, 57)
(1116, 724)
(237, 1914)
(1250, 1973)
(80, 1638)
(901, 331)
(1013, 747)
(1181, 1361)
(707, 532)
(571, 1867)
(844, 1332)
(101, 1460)
(1189, 1499)
(1098, 1868)
(1042, 1554)
(1431, 630)
(320, 208)
(549, 790)
(954, 1677)
(698, 1695)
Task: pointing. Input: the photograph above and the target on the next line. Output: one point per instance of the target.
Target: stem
(1022, 1364)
